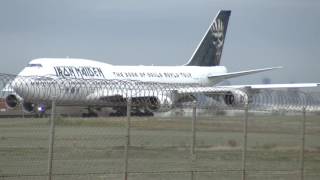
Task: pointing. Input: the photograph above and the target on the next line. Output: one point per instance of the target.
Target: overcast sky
(260, 33)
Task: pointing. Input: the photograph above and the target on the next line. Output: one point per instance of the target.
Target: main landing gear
(122, 111)
(91, 113)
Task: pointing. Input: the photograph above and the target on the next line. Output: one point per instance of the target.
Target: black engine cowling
(235, 98)
(12, 101)
(153, 104)
(28, 107)
(156, 104)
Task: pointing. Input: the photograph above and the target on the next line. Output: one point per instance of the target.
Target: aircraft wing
(237, 89)
(236, 95)
(159, 97)
(177, 92)
(240, 73)
(274, 86)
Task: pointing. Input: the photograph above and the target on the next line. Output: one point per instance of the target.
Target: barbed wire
(37, 91)
(286, 100)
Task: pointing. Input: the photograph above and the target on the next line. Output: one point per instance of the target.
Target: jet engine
(31, 107)
(235, 98)
(28, 107)
(12, 101)
(159, 104)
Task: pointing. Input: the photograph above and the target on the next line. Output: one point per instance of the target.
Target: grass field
(159, 148)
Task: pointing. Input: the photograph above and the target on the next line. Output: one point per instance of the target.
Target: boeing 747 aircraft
(202, 68)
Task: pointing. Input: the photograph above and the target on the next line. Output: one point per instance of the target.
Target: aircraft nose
(14, 84)
(17, 84)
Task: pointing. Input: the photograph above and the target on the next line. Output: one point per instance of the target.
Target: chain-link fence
(155, 131)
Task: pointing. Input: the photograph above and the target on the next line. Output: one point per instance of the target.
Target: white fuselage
(89, 69)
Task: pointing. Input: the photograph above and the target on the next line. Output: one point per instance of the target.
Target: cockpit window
(34, 65)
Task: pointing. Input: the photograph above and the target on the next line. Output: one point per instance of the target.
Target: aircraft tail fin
(209, 50)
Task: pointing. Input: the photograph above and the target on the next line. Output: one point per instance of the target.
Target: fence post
(22, 111)
(244, 151)
(51, 139)
(303, 128)
(193, 138)
(126, 147)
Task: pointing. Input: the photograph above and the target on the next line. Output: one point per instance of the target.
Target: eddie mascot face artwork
(217, 34)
